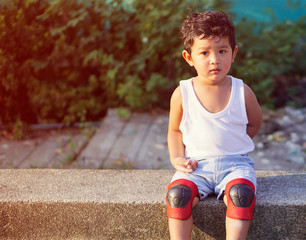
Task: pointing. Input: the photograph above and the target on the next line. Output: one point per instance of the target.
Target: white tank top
(214, 134)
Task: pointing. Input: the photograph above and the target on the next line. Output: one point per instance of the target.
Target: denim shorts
(213, 173)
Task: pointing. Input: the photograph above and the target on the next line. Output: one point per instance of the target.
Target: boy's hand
(185, 165)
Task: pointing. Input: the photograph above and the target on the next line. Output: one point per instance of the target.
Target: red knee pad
(179, 198)
(240, 194)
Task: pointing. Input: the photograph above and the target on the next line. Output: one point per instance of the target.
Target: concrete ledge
(108, 204)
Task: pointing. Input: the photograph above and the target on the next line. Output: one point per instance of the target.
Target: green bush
(59, 59)
(268, 54)
(69, 61)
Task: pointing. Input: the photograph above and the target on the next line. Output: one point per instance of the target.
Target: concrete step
(113, 204)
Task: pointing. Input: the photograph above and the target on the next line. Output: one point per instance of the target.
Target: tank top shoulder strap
(186, 87)
(240, 94)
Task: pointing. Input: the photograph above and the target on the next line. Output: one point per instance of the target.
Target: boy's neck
(214, 98)
(209, 84)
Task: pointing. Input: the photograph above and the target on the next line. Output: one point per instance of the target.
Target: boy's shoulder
(182, 84)
(177, 90)
(177, 93)
(235, 79)
(241, 84)
(185, 81)
(246, 87)
(247, 91)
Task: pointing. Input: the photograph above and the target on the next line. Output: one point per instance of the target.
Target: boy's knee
(240, 195)
(195, 201)
(181, 198)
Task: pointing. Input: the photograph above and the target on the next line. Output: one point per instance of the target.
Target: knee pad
(241, 199)
(179, 198)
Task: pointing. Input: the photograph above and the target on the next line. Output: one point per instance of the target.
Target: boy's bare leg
(181, 229)
(236, 229)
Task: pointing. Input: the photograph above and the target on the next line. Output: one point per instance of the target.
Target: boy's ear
(187, 57)
(234, 53)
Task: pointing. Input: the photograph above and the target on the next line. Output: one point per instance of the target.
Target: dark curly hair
(209, 24)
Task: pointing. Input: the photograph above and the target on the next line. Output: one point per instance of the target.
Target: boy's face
(212, 58)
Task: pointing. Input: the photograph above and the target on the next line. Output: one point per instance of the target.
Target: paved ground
(139, 142)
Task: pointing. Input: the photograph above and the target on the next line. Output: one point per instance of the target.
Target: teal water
(259, 10)
(269, 10)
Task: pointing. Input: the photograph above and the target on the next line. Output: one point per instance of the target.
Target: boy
(213, 118)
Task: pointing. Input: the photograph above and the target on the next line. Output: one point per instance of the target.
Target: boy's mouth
(214, 70)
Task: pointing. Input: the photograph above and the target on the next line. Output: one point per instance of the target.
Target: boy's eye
(222, 51)
(204, 53)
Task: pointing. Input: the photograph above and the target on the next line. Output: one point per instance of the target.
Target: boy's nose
(214, 59)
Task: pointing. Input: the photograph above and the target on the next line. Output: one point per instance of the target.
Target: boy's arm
(253, 112)
(175, 138)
